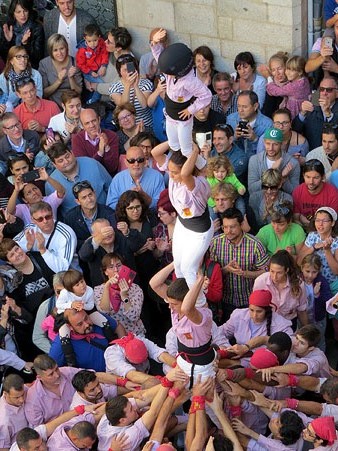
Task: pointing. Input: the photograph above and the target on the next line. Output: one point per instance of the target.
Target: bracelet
(230, 374)
(235, 411)
(292, 403)
(197, 403)
(174, 365)
(293, 380)
(166, 383)
(248, 346)
(223, 353)
(80, 410)
(174, 393)
(121, 381)
(249, 373)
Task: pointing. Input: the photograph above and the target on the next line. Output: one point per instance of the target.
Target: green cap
(274, 134)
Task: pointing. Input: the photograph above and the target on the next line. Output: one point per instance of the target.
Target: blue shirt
(87, 355)
(261, 124)
(152, 183)
(330, 9)
(88, 169)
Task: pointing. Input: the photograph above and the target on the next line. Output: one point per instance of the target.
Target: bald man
(93, 142)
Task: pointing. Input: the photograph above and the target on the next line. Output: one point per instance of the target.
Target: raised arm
(188, 305)
(159, 151)
(188, 168)
(157, 282)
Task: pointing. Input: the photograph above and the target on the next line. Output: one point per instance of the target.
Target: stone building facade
(226, 26)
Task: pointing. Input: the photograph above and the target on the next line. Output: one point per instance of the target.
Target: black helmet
(177, 59)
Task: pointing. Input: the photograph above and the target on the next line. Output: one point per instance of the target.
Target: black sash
(203, 355)
(173, 108)
(198, 224)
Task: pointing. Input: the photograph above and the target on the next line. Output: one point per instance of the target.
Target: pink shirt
(41, 430)
(43, 405)
(135, 432)
(189, 204)
(47, 325)
(238, 326)
(109, 392)
(22, 210)
(190, 334)
(287, 304)
(59, 440)
(316, 362)
(12, 420)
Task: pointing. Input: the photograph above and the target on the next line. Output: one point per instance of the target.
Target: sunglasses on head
(135, 160)
(81, 185)
(125, 59)
(282, 210)
(23, 82)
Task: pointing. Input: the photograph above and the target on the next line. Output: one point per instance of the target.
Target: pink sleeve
(302, 306)
(202, 93)
(289, 89)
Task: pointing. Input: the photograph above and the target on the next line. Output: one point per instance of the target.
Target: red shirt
(306, 203)
(45, 111)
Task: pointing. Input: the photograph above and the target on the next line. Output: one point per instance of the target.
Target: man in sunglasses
(311, 118)
(55, 241)
(136, 177)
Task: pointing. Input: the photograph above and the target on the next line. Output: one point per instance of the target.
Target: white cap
(331, 211)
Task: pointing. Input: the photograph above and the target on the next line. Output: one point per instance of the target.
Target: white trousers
(188, 251)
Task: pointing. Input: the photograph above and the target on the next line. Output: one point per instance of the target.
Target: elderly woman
(282, 233)
(58, 70)
(131, 88)
(275, 69)
(18, 68)
(204, 64)
(25, 302)
(246, 78)
(21, 28)
(122, 301)
(263, 202)
(293, 143)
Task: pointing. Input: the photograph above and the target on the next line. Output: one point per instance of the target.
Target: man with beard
(313, 193)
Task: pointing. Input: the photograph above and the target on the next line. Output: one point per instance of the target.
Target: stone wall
(226, 26)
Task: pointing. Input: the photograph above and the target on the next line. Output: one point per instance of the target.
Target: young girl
(77, 295)
(186, 94)
(189, 195)
(296, 90)
(31, 194)
(318, 293)
(191, 324)
(219, 169)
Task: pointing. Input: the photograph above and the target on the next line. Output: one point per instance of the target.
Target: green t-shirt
(293, 235)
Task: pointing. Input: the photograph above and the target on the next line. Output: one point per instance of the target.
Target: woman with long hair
(286, 287)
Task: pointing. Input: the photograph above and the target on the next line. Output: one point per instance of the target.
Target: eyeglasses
(12, 127)
(270, 188)
(162, 213)
(114, 266)
(281, 123)
(143, 147)
(125, 118)
(322, 221)
(134, 207)
(21, 57)
(43, 218)
(327, 89)
(79, 186)
(135, 160)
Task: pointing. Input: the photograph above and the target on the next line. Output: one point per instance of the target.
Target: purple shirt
(191, 334)
(43, 405)
(316, 362)
(59, 440)
(135, 432)
(12, 420)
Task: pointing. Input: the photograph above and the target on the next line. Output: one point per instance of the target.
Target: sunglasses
(329, 90)
(43, 218)
(135, 160)
(79, 186)
(271, 188)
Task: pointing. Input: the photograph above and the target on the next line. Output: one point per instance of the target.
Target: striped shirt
(217, 106)
(250, 254)
(144, 114)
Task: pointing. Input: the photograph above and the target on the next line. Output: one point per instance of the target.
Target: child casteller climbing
(186, 94)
